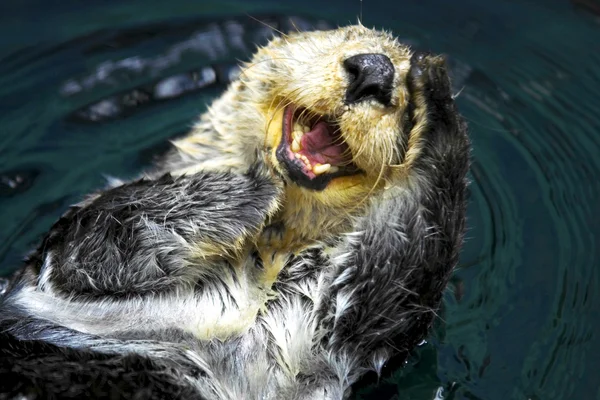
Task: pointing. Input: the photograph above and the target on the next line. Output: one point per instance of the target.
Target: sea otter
(300, 236)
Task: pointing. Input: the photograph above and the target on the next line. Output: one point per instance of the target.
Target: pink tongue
(321, 146)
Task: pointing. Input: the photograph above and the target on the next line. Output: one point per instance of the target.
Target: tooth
(296, 146)
(297, 155)
(334, 169)
(319, 169)
(297, 126)
(297, 134)
(305, 128)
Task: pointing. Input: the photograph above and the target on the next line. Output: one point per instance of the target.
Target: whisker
(281, 105)
(248, 65)
(378, 180)
(267, 25)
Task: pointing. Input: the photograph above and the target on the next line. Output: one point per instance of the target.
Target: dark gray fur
(375, 297)
(101, 244)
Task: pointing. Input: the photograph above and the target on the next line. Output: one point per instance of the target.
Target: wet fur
(214, 277)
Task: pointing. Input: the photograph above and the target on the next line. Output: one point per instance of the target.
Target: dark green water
(521, 317)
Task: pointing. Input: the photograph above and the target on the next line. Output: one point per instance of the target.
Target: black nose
(371, 77)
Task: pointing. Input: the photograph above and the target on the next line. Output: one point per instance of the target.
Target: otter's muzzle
(371, 77)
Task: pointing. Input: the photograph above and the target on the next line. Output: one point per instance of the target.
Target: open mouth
(313, 150)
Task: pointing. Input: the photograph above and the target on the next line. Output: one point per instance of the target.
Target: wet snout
(371, 77)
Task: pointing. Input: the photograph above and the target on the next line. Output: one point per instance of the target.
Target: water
(519, 320)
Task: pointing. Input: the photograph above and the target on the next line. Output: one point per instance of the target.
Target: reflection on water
(87, 101)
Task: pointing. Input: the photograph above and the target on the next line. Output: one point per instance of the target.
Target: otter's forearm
(388, 283)
(390, 276)
(148, 235)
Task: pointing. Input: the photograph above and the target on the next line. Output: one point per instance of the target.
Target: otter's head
(337, 115)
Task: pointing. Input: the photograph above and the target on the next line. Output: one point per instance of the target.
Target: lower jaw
(279, 149)
(308, 215)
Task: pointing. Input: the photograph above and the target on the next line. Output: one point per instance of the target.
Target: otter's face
(335, 106)
(338, 116)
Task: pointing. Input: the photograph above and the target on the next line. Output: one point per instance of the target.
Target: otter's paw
(430, 73)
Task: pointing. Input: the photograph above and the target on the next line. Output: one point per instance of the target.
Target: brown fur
(306, 69)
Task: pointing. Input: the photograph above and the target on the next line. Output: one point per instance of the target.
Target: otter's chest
(244, 290)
